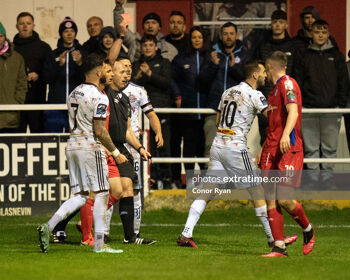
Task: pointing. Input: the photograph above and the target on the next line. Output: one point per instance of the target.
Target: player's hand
(32, 77)
(145, 155)
(284, 144)
(120, 159)
(231, 61)
(159, 140)
(258, 159)
(214, 58)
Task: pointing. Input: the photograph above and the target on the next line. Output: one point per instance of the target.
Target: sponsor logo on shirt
(291, 95)
(288, 84)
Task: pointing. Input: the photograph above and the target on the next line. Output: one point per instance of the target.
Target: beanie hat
(2, 29)
(152, 16)
(66, 24)
(279, 14)
(310, 10)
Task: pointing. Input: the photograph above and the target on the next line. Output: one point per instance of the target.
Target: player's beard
(260, 82)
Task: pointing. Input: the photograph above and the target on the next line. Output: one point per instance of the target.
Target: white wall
(49, 13)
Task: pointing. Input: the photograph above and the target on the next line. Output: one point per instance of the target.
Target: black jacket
(270, 45)
(91, 45)
(221, 77)
(157, 85)
(302, 42)
(322, 76)
(58, 77)
(34, 52)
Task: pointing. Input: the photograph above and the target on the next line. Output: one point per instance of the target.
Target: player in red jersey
(283, 150)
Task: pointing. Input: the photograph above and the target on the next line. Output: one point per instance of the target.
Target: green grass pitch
(230, 244)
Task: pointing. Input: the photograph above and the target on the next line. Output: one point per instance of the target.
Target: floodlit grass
(230, 244)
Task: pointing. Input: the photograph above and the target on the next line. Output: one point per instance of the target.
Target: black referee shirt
(119, 110)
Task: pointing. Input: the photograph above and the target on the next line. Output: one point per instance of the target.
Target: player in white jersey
(87, 109)
(236, 112)
(138, 100)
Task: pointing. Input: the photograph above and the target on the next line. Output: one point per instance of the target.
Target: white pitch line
(202, 225)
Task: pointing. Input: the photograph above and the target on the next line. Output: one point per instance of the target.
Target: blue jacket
(187, 82)
(221, 77)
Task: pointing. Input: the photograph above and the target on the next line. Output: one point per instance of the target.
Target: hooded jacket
(270, 45)
(157, 85)
(62, 79)
(322, 76)
(221, 77)
(13, 86)
(34, 52)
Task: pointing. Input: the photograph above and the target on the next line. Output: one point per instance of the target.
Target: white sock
(137, 212)
(195, 213)
(261, 212)
(100, 218)
(109, 218)
(308, 228)
(67, 208)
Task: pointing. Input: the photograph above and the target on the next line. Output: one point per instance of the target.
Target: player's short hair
(95, 17)
(148, 37)
(320, 24)
(177, 13)
(24, 14)
(92, 61)
(228, 24)
(251, 67)
(122, 56)
(279, 57)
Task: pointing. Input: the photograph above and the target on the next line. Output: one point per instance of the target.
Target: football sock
(299, 216)
(99, 214)
(276, 224)
(61, 226)
(111, 200)
(109, 218)
(309, 228)
(195, 213)
(68, 207)
(261, 213)
(126, 212)
(137, 212)
(86, 218)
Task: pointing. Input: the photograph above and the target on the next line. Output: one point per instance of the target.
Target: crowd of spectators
(179, 70)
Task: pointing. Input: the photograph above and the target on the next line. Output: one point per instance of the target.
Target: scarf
(4, 48)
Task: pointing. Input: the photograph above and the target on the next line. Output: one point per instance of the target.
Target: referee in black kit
(119, 127)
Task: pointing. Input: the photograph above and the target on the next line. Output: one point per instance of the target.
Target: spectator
(63, 72)
(304, 36)
(323, 79)
(178, 38)
(222, 71)
(153, 72)
(177, 28)
(151, 24)
(94, 26)
(106, 39)
(189, 90)
(13, 83)
(34, 52)
(277, 39)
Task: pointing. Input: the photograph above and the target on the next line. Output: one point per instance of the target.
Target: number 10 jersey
(238, 108)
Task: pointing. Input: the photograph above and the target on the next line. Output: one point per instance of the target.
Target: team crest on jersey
(101, 109)
(288, 84)
(132, 98)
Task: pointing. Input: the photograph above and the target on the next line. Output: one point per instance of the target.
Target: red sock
(111, 201)
(276, 223)
(299, 216)
(86, 218)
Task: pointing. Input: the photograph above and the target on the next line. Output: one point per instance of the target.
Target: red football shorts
(113, 170)
(290, 163)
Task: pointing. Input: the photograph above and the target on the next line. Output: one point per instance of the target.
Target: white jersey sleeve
(259, 101)
(101, 105)
(145, 102)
